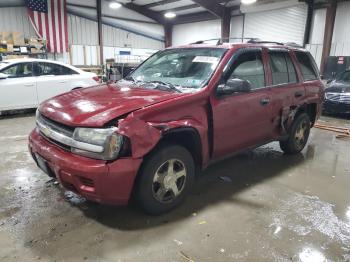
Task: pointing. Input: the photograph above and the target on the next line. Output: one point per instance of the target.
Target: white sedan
(25, 83)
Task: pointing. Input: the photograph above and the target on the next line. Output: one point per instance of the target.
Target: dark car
(337, 96)
(183, 109)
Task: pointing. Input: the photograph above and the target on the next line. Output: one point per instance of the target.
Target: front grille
(58, 127)
(61, 128)
(338, 97)
(62, 135)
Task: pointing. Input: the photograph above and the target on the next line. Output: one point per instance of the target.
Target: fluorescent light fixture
(248, 2)
(115, 5)
(170, 15)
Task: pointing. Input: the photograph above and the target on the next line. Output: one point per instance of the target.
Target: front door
(18, 90)
(242, 120)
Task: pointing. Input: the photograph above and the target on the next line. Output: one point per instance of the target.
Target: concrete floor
(268, 207)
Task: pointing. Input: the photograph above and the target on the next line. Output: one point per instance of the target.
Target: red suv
(182, 109)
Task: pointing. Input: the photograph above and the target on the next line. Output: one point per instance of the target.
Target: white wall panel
(318, 25)
(15, 19)
(236, 28)
(188, 33)
(282, 25)
(341, 37)
(120, 38)
(82, 31)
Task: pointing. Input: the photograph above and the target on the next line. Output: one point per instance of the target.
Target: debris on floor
(73, 198)
(225, 179)
(186, 257)
(178, 242)
(343, 132)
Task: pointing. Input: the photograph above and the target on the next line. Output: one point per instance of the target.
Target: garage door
(281, 25)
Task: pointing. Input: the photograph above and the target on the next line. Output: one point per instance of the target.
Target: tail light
(96, 78)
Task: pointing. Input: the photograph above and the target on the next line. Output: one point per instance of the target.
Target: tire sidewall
(144, 191)
(294, 128)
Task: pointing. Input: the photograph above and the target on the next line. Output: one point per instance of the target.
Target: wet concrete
(258, 206)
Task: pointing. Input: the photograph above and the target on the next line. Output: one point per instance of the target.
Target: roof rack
(220, 41)
(258, 41)
(251, 40)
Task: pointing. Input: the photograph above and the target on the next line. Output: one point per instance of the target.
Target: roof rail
(258, 41)
(292, 44)
(220, 41)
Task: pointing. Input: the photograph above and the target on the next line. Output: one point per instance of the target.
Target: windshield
(3, 64)
(189, 68)
(345, 77)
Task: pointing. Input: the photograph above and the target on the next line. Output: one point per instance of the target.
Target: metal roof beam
(212, 6)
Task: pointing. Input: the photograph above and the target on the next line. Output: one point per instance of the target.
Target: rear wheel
(298, 135)
(165, 179)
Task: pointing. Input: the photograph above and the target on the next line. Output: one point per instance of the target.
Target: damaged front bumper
(96, 180)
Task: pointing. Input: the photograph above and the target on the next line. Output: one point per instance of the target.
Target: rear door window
(54, 69)
(307, 66)
(283, 71)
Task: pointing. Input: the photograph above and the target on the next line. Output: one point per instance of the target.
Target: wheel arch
(310, 109)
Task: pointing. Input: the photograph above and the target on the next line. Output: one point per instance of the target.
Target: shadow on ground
(240, 173)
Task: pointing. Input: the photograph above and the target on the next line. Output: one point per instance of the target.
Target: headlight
(107, 138)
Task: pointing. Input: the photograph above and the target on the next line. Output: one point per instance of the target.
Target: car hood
(95, 106)
(338, 87)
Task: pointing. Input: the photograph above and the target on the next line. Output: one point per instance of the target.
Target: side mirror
(3, 76)
(329, 81)
(234, 86)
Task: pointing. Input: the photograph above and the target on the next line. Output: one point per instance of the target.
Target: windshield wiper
(168, 85)
(130, 78)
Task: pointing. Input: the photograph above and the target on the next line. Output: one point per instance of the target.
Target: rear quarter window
(307, 66)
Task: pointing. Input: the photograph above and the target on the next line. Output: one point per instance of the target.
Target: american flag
(49, 19)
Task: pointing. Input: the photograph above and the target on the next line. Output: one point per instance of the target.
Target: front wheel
(298, 135)
(165, 179)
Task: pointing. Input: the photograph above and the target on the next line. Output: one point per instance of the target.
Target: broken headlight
(109, 141)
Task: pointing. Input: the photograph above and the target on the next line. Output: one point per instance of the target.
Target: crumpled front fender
(144, 136)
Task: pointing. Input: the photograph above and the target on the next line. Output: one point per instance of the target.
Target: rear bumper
(336, 107)
(96, 180)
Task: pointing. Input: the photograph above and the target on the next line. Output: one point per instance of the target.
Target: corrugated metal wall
(282, 25)
(120, 38)
(82, 31)
(15, 19)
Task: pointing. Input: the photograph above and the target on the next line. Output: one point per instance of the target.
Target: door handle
(298, 94)
(265, 101)
(65, 81)
(28, 84)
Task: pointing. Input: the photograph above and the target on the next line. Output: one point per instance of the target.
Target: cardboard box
(18, 38)
(7, 37)
(8, 57)
(34, 50)
(9, 48)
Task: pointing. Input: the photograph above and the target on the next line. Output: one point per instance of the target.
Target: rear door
(51, 80)
(19, 89)
(242, 120)
(287, 89)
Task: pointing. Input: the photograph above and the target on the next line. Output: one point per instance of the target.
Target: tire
(168, 168)
(298, 135)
